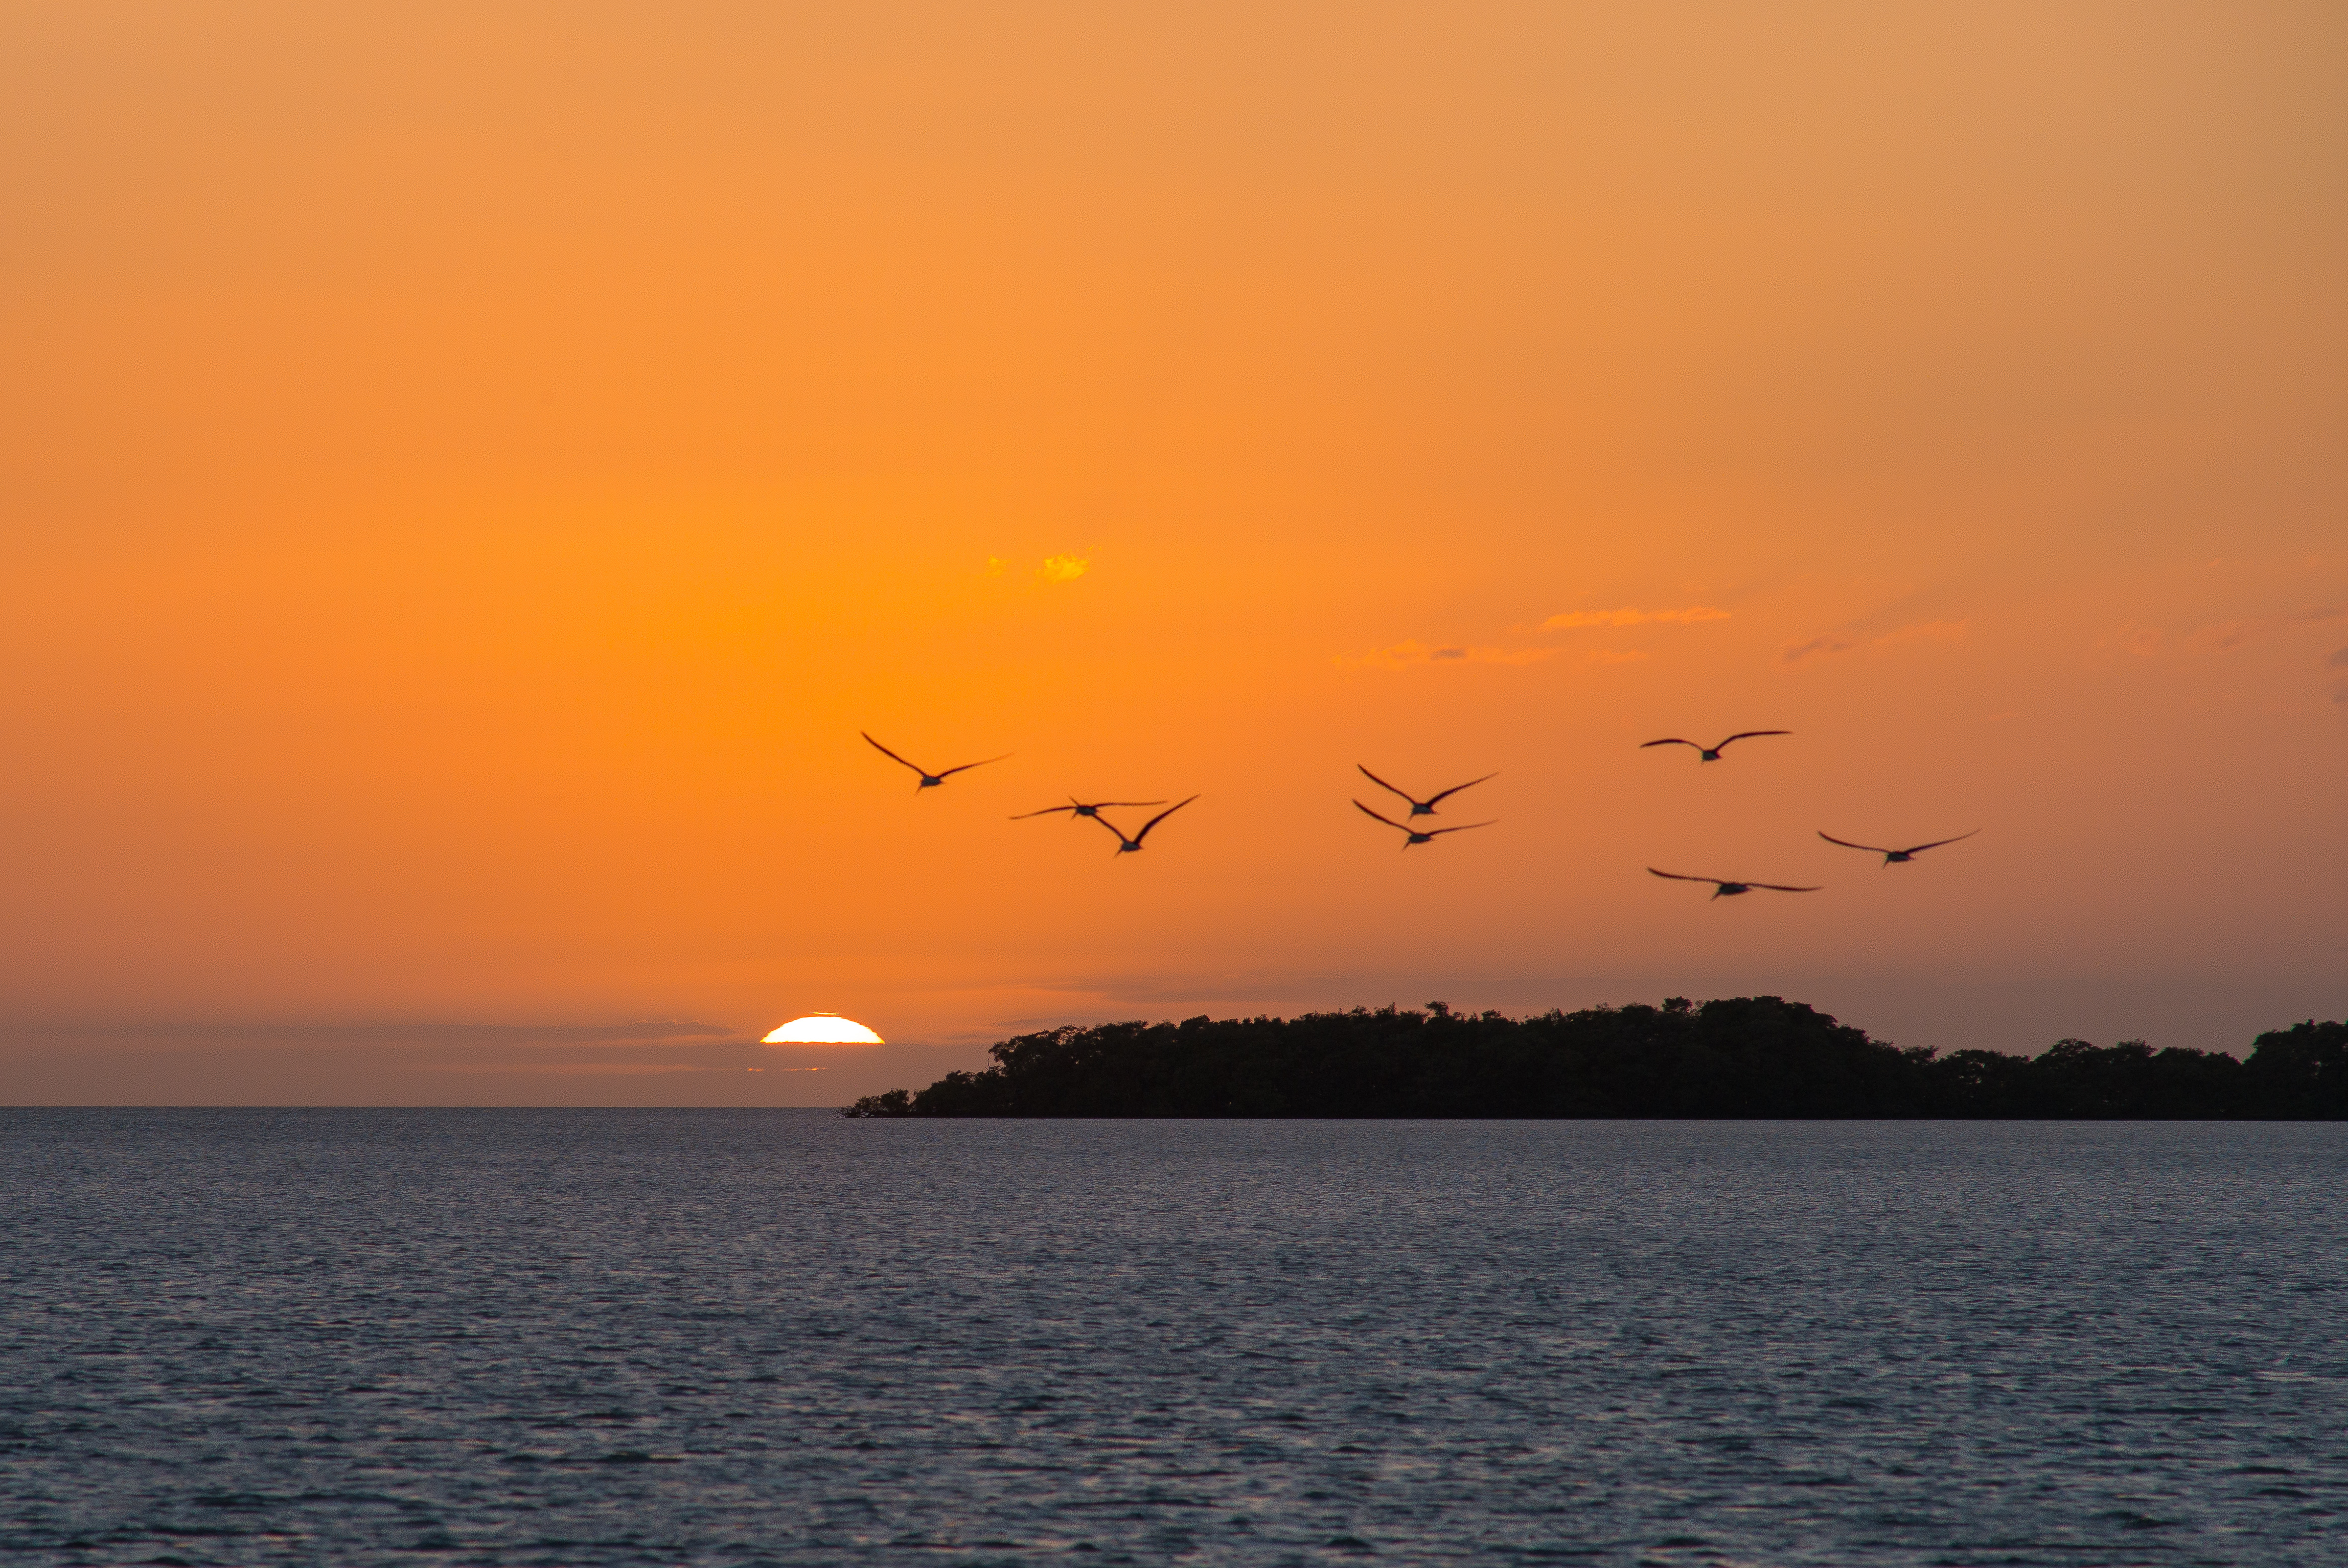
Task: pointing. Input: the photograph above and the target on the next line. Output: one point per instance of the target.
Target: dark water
(587, 1337)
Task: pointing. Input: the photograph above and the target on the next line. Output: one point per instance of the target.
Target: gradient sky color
(470, 471)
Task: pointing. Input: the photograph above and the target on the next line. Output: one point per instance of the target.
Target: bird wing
(1781, 887)
(965, 767)
(1435, 833)
(1668, 741)
(1114, 828)
(1454, 789)
(1390, 822)
(1677, 878)
(1748, 734)
(1938, 841)
(1023, 815)
(1162, 816)
(1099, 803)
(893, 756)
(1385, 787)
(1847, 844)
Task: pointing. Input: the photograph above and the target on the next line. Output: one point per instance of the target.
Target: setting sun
(823, 1029)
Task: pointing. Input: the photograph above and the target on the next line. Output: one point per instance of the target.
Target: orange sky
(469, 471)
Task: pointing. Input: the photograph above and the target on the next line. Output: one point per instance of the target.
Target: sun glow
(823, 1029)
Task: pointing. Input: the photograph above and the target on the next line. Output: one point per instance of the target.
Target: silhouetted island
(1746, 1056)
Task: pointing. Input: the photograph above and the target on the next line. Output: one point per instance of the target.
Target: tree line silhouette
(1739, 1057)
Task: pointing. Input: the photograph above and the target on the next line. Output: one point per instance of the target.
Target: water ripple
(598, 1337)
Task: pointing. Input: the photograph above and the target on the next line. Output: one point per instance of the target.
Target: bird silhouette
(929, 779)
(1412, 835)
(1731, 889)
(1711, 754)
(1082, 808)
(1417, 807)
(1133, 846)
(1890, 856)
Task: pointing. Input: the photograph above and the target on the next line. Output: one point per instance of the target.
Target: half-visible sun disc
(823, 1029)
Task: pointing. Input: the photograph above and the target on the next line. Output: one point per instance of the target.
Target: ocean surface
(712, 1336)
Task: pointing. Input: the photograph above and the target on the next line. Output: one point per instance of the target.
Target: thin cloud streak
(2216, 636)
(1573, 620)
(660, 1031)
(1795, 652)
(1411, 652)
(1835, 643)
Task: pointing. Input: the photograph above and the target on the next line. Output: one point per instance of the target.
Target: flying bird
(1711, 754)
(929, 779)
(1417, 807)
(1133, 846)
(1731, 889)
(1890, 856)
(1412, 835)
(1083, 808)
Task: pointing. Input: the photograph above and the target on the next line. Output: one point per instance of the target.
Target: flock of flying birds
(1721, 888)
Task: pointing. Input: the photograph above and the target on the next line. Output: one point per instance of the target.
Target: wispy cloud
(574, 1069)
(1835, 643)
(2225, 636)
(2221, 637)
(646, 1031)
(1795, 652)
(1926, 632)
(1412, 652)
(1574, 619)
(2142, 642)
(2216, 636)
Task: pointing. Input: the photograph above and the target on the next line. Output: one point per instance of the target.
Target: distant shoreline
(1734, 1059)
